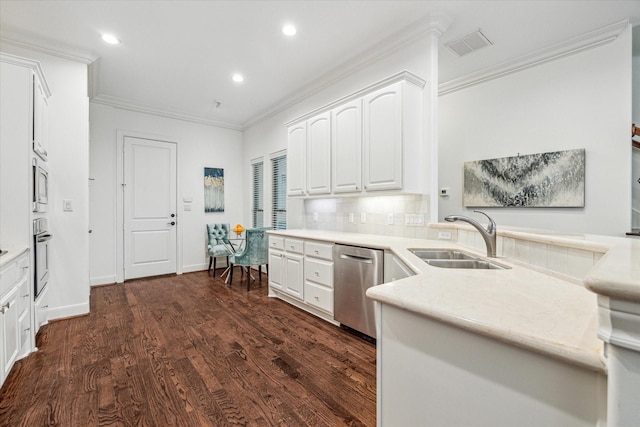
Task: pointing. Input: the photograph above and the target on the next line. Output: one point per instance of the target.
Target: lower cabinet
(15, 317)
(301, 273)
(41, 310)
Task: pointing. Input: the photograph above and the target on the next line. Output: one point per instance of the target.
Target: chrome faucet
(489, 235)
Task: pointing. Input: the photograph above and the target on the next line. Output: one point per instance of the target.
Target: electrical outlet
(67, 205)
(363, 217)
(351, 218)
(389, 219)
(187, 206)
(444, 235)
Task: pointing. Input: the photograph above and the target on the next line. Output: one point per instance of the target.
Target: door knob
(173, 215)
(172, 223)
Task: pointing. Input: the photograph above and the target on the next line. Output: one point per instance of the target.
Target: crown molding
(556, 51)
(28, 63)
(124, 104)
(435, 22)
(53, 52)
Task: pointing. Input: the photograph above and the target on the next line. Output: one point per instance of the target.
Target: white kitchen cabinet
(297, 159)
(286, 266)
(40, 118)
(346, 147)
(392, 145)
(318, 275)
(319, 154)
(370, 141)
(309, 156)
(301, 273)
(14, 308)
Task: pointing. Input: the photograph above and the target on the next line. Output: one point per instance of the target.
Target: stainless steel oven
(41, 239)
(40, 197)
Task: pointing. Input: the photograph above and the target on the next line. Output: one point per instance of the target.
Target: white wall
(68, 175)
(270, 135)
(580, 101)
(635, 175)
(198, 146)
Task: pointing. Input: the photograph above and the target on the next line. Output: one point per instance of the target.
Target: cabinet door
(41, 310)
(40, 118)
(276, 269)
(9, 325)
(296, 159)
(382, 122)
(319, 154)
(346, 147)
(294, 278)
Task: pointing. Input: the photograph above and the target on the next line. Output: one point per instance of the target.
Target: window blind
(279, 199)
(257, 206)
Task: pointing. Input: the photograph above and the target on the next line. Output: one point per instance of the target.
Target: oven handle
(44, 237)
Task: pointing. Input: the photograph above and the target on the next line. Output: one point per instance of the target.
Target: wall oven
(41, 254)
(40, 197)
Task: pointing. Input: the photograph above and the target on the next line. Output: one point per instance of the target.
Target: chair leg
(210, 260)
(260, 272)
(267, 270)
(230, 274)
(214, 266)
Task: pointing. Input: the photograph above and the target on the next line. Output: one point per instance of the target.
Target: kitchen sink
(451, 258)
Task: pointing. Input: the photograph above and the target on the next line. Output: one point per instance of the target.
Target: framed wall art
(550, 180)
(213, 190)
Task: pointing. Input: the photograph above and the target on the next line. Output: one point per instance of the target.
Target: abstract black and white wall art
(553, 179)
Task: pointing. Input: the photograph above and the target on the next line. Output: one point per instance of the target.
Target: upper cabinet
(40, 118)
(296, 160)
(346, 147)
(367, 142)
(319, 154)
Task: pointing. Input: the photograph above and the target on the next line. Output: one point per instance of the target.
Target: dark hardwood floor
(189, 351)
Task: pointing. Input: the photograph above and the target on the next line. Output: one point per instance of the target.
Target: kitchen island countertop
(519, 306)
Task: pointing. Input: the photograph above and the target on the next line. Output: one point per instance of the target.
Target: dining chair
(254, 253)
(217, 234)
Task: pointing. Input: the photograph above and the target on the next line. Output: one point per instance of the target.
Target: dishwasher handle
(355, 258)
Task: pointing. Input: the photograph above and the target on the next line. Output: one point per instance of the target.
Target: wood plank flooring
(189, 351)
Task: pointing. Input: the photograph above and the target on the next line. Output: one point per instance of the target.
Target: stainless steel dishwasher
(355, 270)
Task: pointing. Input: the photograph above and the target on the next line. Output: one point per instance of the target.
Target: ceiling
(178, 56)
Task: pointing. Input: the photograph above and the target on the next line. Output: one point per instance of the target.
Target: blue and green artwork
(213, 190)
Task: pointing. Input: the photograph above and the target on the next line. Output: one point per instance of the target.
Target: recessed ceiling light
(237, 78)
(289, 30)
(110, 38)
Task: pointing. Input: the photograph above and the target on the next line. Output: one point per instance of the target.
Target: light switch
(315, 216)
(363, 217)
(390, 219)
(351, 218)
(67, 205)
(187, 206)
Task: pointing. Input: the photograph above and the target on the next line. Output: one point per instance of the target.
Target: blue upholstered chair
(217, 234)
(255, 252)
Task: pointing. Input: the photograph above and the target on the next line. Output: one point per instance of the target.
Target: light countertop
(519, 306)
(12, 253)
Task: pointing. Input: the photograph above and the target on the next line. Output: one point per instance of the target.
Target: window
(257, 206)
(279, 199)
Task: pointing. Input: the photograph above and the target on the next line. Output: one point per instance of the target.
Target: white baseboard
(102, 280)
(194, 267)
(68, 311)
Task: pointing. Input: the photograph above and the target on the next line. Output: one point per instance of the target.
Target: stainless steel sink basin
(474, 264)
(441, 254)
(451, 258)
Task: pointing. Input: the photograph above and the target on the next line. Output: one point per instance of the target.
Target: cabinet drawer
(276, 242)
(319, 271)
(319, 250)
(294, 245)
(24, 295)
(319, 297)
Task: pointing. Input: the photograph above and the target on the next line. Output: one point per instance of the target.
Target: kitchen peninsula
(527, 338)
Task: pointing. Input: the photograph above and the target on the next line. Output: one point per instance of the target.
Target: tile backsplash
(380, 215)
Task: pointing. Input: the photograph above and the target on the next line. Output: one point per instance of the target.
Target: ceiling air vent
(468, 43)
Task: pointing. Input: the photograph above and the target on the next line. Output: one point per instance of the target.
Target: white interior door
(149, 207)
